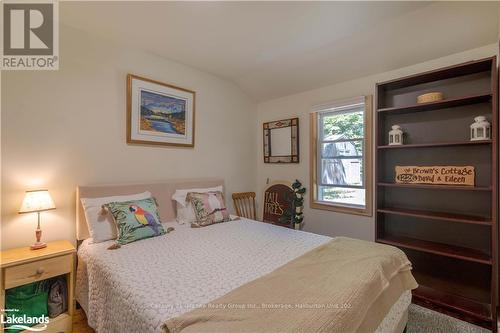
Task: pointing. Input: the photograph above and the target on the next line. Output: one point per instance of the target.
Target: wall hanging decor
(281, 141)
(430, 97)
(442, 175)
(395, 136)
(159, 113)
(480, 129)
(277, 201)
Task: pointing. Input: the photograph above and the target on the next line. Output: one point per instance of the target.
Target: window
(341, 156)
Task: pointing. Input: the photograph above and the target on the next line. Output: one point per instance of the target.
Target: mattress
(139, 286)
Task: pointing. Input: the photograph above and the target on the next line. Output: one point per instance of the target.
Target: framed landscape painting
(159, 113)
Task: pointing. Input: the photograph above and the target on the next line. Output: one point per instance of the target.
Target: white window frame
(316, 140)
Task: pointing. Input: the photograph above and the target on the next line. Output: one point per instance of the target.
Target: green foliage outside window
(349, 125)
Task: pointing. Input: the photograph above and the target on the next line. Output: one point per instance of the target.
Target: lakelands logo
(30, 38)
(24, 323)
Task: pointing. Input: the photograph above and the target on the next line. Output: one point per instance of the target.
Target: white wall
(67, 127)
(299, 105)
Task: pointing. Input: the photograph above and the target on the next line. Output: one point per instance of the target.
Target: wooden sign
(442, 175)
(277, 200)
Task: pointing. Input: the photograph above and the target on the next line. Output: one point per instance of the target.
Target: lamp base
(38, 245)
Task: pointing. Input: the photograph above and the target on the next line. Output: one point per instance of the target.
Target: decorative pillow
(100, 223)
(209, 208)
(136, 219)
(185, 211)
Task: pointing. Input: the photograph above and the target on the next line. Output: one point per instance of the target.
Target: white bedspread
(139, 286)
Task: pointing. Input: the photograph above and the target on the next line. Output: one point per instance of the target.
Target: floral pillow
(136, 219)
(209, 208)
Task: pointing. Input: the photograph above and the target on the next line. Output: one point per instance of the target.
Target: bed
(141, 285)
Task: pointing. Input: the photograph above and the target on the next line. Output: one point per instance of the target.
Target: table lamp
(37, 201)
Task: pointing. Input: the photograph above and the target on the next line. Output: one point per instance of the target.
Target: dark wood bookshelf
(446, 250)
(437, 144)
(447, 103)
(449, 233)
(442, 216)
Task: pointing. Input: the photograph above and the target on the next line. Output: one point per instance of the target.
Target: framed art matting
(159, 113)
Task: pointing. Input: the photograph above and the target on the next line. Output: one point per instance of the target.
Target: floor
(80, 323)
(420, 320)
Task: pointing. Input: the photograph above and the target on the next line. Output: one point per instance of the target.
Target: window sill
(341, 209)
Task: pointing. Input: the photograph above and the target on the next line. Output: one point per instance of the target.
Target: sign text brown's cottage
(442, 175)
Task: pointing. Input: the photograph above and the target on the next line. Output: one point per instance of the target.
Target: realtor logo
(30, 39)
(12, 320)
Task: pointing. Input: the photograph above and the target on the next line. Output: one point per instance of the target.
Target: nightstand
(22, 266)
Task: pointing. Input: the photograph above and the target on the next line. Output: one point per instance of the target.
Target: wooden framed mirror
(281, 141)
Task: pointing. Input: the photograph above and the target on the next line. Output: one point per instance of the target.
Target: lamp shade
(36, 201)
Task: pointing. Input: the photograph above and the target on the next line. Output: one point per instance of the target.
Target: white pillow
(102, 226)
(185, 211)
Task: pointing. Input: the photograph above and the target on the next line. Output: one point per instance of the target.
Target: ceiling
(273, 49)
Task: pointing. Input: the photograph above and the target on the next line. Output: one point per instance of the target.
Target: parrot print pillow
(136, 219)
(209, 208)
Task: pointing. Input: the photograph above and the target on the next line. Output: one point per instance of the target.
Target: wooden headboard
(162, 191)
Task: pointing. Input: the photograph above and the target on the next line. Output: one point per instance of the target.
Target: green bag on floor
(30, 300)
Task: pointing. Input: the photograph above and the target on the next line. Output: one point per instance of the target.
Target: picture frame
(281, 141)
(159, 113)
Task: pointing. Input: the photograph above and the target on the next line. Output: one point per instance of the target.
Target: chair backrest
(244, 203)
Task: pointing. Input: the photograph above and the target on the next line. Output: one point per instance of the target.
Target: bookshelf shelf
(438, 144)
(438, 187)
(448, 103)
(446, 250)
(461, 218)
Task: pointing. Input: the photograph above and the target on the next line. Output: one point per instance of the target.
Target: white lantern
(395, 136)
(480, 129)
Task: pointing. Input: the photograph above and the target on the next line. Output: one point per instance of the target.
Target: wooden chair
(244, 203)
